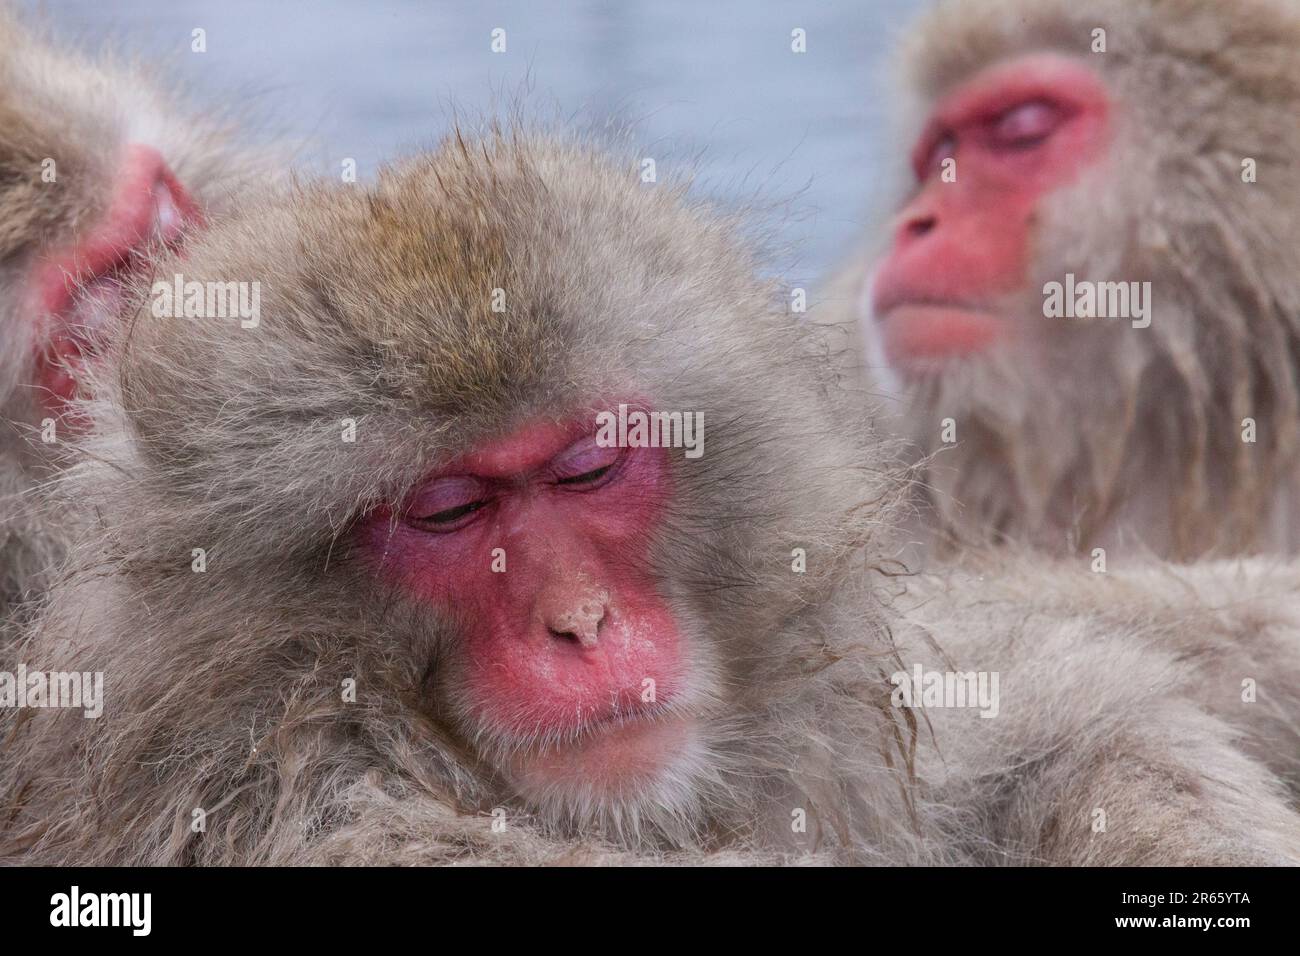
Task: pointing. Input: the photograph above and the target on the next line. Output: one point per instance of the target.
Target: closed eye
(448, 504)
(587, 477)
(448, 519)
(452, 515)
(1027, 125)
(586, 464)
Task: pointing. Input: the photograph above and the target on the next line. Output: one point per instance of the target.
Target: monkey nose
(581, 622)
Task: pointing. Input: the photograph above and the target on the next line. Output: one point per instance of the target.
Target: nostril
(919, 226)
(585, 637)
(581, 624)
(577, 617)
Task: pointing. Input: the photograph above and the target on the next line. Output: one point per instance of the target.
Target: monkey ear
(72, 331)
(77, 297)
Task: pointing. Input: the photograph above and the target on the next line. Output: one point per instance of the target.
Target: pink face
(76, 289)
(1017, 131)
(537, 543)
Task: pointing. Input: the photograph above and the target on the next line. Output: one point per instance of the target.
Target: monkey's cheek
(621, 762)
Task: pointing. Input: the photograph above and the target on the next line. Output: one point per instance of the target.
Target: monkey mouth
(921, 335)
(614, 719)
(611, 754)
(614, 723)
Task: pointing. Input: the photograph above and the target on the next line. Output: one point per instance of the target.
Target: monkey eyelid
(585, 462)
(591, 480)
(448, 515)
(441, 505)
(1025, 124)
(449, 519)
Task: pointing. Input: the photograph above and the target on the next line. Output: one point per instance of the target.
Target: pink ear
(75, 290)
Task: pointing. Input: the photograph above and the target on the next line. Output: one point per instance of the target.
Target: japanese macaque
(1089, 299)
(96, 165)
(372, 580)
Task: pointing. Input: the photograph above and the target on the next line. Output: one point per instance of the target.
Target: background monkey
(1139, 152)
(96, 165)
(429, 599)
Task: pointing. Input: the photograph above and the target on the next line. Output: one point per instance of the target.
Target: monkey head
(1093, 275)
(419, 470)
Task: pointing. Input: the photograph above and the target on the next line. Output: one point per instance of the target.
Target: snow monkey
(399, 574)
(96, 164)
(1088, 300)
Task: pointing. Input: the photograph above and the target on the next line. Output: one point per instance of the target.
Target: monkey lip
(610, 755)
(919, 335)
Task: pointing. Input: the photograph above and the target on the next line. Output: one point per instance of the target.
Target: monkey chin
(621, 777)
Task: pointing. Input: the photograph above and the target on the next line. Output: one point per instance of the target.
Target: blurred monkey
(97, 165)
(1088, 299)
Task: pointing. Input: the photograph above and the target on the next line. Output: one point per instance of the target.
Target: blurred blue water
(713, 81)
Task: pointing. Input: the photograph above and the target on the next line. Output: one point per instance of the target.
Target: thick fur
(1123, 692)
(224, 687)
(80, 111)
(1083, 434)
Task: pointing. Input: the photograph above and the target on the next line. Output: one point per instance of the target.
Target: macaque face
(567, 668)
(591, 635)
(991, 151)
(75, 289)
